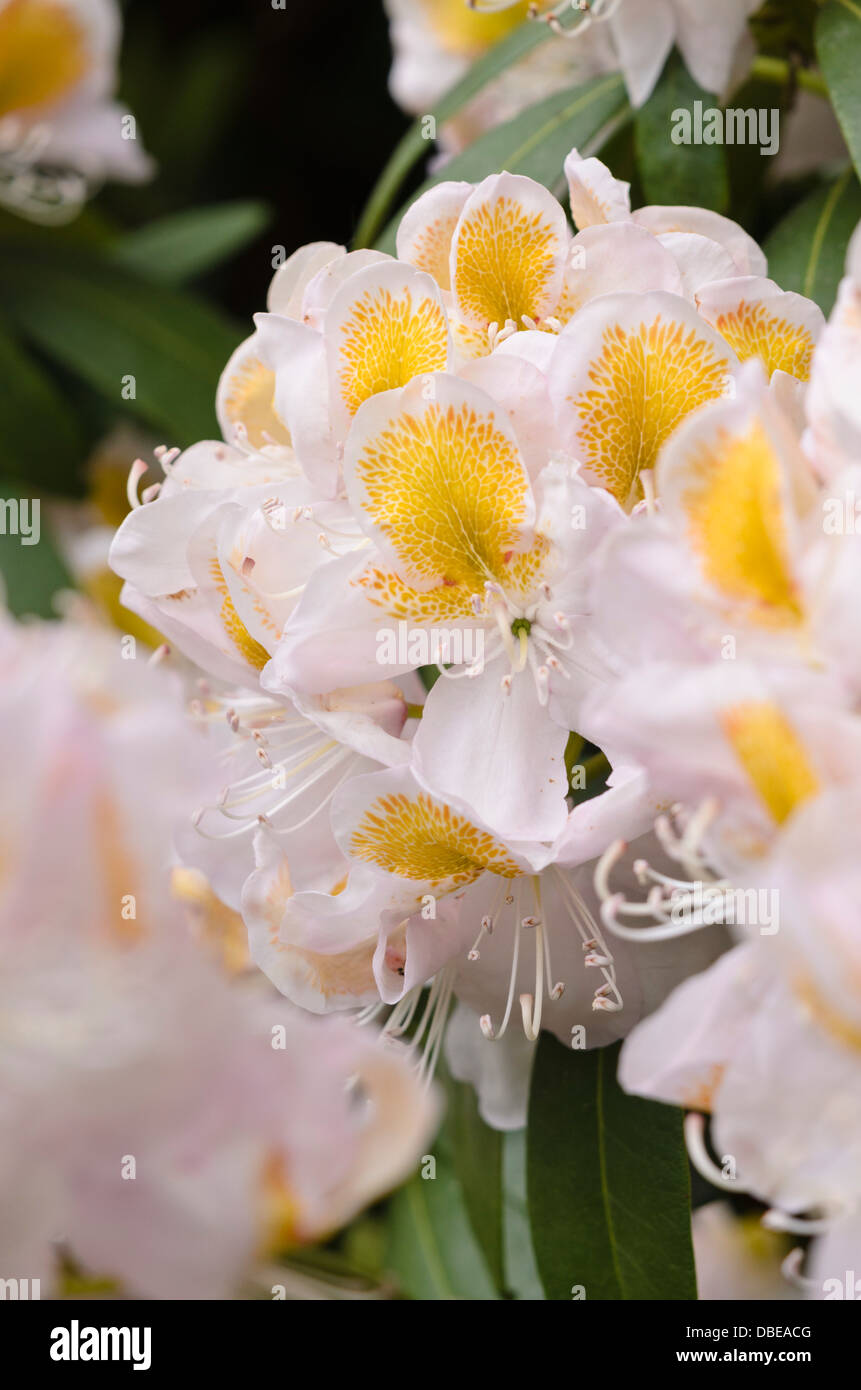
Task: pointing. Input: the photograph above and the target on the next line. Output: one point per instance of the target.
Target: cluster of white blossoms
(164, 1131)
(61, 132)
(606, 476)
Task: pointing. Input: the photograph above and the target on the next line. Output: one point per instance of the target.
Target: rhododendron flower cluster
(587, 476)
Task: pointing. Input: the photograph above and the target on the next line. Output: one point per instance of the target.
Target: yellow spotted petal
(245, 401)
(759, 320)
(426, 230)
(772, 755)
(508, 253)
(438, 476)
(725, 477)
(43, 53)
(626, 372)
(415, 837)
(247, 646)
(385, 326)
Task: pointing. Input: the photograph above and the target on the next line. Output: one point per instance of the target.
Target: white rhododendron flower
(162, 1128)
(435, 41)
(61, 131)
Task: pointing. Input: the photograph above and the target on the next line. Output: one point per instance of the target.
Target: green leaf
(807, 250)
(521, 1273)
(179, 247)
(415, 143)
(838, 47)
(678, 174)
(608, 1183)
(536, 142)
(477, 1154)
(106, 326)
(40, 439)
(432, 1250)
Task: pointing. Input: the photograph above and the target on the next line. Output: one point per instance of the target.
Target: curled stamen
(694, 1131)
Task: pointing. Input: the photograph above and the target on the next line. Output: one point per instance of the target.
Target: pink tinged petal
(643, 33)
(615, 259)
(834, 401)
(759, 320)
(408, 958)
(680, 1054)
(747, 255)
(520, 387)
(321, 290)
(150, 549)
(316, 948)
(699, 259)
(595, 196)
(498, 1071)
(288, 284)
(498, 753)
(426, 230)
(297, 355)
(335, 636)
(709, 38)
(626, 810)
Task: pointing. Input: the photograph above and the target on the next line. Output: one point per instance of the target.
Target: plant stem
(778, 71)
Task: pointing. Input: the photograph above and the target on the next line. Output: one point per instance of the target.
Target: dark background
(237, 100)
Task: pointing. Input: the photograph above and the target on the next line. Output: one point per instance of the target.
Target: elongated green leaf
(40, 440)
(477, 1154)
(807, 250)
(838, 47)
(150, 350)
(536, 142)
(677, 173)
(608, 1185)
(433, 1253)
(175, 249)
(521, 1274)
(415, 144)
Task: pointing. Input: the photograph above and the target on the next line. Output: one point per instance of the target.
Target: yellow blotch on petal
(505, 263)
(416, 837)
(43, 54)
(448, 490)
(752, 331)
(644, 382)
(386, 341)
(772, 755)
(248, 647)
(461, 29)
(431, 249)
(280, 1209)
(250, 401)
(736, 525)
